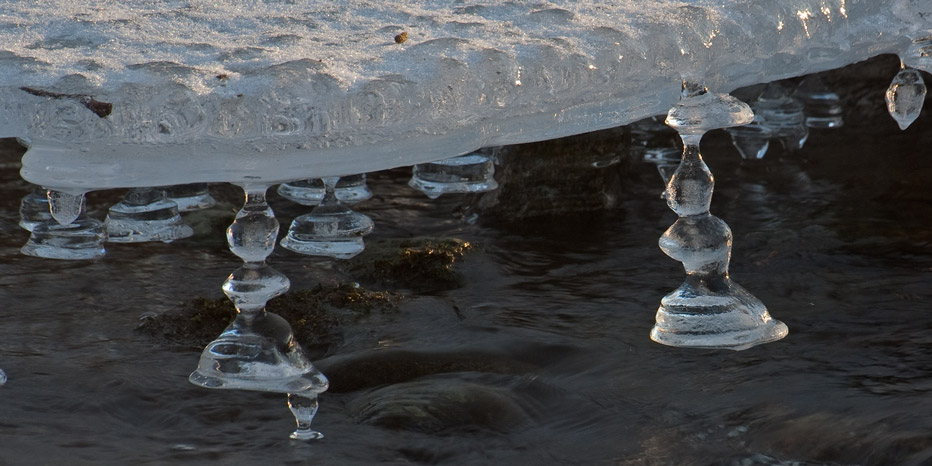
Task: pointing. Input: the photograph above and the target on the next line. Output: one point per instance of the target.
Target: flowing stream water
(548, 335)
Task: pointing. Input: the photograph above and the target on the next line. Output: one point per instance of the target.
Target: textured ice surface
(139, 93)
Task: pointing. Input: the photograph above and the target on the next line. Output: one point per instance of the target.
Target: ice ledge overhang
(130, 94)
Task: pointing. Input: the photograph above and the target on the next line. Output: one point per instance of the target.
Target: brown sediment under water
(538, 354)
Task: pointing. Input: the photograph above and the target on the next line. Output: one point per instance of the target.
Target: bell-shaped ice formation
(331, 229)
(751, 140)
(905, 96)
(708, 310)
(821, 106)
(34, 209)
(189, 197)
(783, 115)
(69, 233)
(257, 351)
(145, 214)
(473, 173)
(350, 189)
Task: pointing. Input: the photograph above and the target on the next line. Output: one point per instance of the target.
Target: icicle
(349, 190)
(752, 141)
(473, 173)
(905, 96)
(34, 209)
(68, 233)
(190, 197)
(145, 214)
(65, 207)
(257, 351)
(822, 107)
(783, 115)
(331, 229)
(304, 408)
(708, 310)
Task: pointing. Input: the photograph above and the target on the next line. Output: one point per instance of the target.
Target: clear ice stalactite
(68, 233)
(905, 96)
(257, 351)
(34, 209)
(472, 173)
(190, 197)
(332, 229)
(751, 140)
(349, 190)
(304, 408)
(708, 310)
(654, 142)
(783, 115)
(145, 214)
(821, 106)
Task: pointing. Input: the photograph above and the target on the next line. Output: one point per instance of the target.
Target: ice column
(471, 173)
(68, 234)
(708, 310)
(331, 229)
(190, 197)
(145, 214)
(258, 350)
(349, 189)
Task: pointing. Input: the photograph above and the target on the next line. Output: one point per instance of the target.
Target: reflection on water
(541, 357)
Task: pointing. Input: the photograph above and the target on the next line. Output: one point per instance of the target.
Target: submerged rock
(419, 264)
(366, 369)
(437, 404)
(315, 315)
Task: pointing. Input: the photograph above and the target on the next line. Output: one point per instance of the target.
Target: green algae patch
(315, 315)
(420, 264)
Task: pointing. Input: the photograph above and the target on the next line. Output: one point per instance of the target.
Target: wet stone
(365, 369)
(315, 315)
(438, 404)
(419, 264)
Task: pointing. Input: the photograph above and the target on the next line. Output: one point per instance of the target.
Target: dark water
(552, 322)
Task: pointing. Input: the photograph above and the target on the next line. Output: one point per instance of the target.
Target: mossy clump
(420, 264)
(315, 315)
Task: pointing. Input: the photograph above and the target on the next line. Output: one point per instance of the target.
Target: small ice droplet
(65, 207)
(905, 96)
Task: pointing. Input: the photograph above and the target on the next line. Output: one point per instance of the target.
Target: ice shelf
(138, 93)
